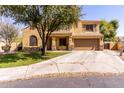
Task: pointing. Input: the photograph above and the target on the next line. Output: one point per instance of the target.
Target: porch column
(53, 43)
(101, 44)
(71, 44)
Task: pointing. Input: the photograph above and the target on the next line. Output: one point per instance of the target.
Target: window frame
(90, 29)
(35, 42)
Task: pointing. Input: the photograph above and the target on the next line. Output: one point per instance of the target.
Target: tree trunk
(43, 50)
(43, 46)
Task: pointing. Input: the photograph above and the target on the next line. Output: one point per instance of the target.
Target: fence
(111, 45)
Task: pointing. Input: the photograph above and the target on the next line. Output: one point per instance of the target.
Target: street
(70, 82)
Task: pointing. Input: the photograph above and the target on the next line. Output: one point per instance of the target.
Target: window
(89, 27)
(33, 41)
(62, 41)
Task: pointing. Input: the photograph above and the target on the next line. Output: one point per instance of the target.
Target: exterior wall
(71, 43)
(26, 37)
(119, 45)
(120, 42)
(79, 29)
(75, 30)
(101, 44)
(55, 43)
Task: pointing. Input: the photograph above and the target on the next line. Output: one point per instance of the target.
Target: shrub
(6, 48)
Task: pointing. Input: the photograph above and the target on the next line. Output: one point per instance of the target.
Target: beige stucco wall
(74, 30)
(79, 28)
(26, 36)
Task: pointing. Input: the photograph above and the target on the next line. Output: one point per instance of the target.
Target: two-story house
(85, 36)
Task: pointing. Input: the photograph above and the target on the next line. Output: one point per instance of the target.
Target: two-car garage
(86, 44)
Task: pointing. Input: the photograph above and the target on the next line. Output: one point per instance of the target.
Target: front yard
(24, 58)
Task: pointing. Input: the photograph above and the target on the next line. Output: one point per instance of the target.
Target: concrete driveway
(74, 63)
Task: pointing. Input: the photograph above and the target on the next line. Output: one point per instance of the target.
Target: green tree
(109, 29)
(8, 35)
(46, 19)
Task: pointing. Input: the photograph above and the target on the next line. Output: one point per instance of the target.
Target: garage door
(86, 44)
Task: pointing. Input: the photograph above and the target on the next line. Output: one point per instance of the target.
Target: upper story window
(89, 27)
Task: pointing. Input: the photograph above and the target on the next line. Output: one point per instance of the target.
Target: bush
(6, 48)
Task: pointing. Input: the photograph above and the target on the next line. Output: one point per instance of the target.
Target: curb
(67, 74)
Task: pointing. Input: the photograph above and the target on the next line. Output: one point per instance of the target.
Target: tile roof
(86, 34)
(91, 21)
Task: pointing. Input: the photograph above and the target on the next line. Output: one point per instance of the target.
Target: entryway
(62, 43)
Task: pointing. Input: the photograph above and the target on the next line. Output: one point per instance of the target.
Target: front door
(62, 44)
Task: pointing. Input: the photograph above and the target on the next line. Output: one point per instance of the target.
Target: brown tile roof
(87, 34)
(61, 33)
(90, 21)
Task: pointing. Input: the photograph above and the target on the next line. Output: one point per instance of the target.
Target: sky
(96, 12)
(107, 12)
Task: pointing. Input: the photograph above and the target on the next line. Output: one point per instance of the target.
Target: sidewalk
(77, 62)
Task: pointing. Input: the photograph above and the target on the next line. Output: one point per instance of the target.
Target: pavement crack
(104, 85)
(89, 83)
(57, 67)
(26, 72)
(85, 59)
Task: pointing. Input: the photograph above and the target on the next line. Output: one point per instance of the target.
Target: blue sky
(98, 12)
(108, 12)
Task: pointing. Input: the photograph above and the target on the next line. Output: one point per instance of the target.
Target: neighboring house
(1, 44)
(120, 42)
(14, 46)
(84, 36)
(121, 39)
